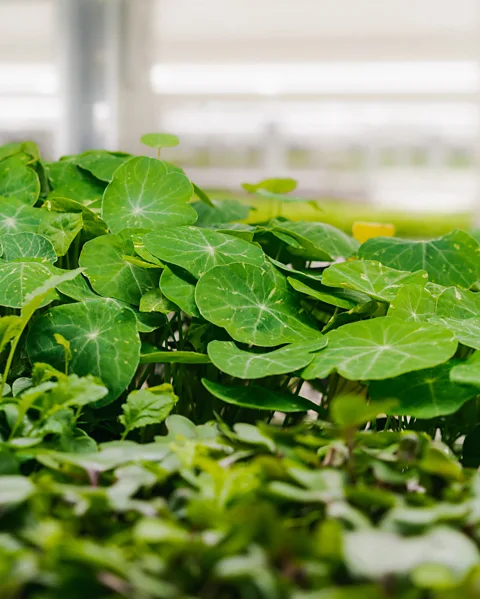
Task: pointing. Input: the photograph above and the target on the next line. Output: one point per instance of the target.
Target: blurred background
(372, 103)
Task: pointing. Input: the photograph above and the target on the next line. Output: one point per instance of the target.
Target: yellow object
(363, 231)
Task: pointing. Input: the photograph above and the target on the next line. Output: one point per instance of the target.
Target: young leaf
(247, 365)
(160, 140)
(372, 278)
(112, 276)
(276, 186)
(259, 398)
(60, 339)
(453, 259)
(424, 394)
(254, 304)
(25, 246)
(155, 301)
(145, 194)
(198, 250)
(147, 406)
(382, 348)
(103, 338)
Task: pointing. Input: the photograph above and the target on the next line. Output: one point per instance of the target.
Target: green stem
(8, 365)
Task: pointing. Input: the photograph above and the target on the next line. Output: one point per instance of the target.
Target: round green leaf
(372, 278)
(15, 216)
(413, 302)
(259, 398)
(18, 279)
(318, 241)
(27, 246)
(198, 250)
(275, 186)
(247, 365)
(20, 182)
(254, 304)
(423, 394)
(160, 140)
(112, 276)
(101, 164)
(103, 340)
(382, 348)
(178, 287)
(453, 259)
(146, 193)
(61, 229)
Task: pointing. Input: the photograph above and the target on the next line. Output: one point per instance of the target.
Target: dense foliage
(192, 406)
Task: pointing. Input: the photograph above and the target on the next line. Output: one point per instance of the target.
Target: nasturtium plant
(382, 348)
(254, 304)
(373, 279)
(103, 339)
(101, 164)
(198, 250)
(228, 358)
(20, 182)
(316, 241)
(450, 260)
(114, 275)
(174, 381)
(147, 193)
(27, 246)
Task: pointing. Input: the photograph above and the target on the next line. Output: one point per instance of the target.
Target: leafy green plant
(131, 305)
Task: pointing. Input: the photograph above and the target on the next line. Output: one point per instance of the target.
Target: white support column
(88, 67)
(105, 52)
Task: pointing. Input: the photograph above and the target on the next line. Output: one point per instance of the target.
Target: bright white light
(28, 111)
(35, 79)
(446, 77)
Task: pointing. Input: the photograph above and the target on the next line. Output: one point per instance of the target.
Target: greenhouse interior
(230, 231)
